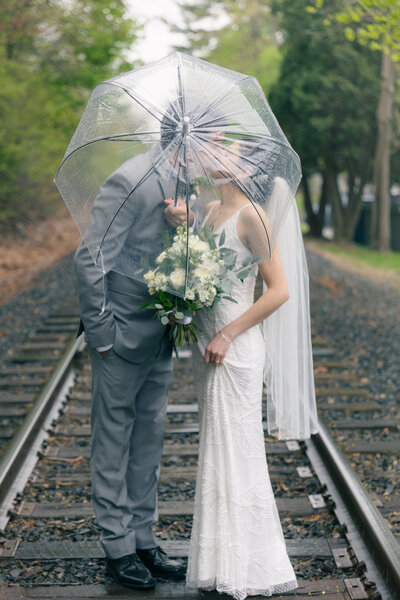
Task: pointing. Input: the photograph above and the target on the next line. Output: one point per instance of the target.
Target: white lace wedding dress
(237, 544)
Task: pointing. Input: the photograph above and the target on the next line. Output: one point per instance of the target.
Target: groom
(131, 359)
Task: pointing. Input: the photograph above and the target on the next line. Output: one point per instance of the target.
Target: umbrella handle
(185, 131)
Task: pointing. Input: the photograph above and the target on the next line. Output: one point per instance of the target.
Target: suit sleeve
(99, 324)
(96, 312)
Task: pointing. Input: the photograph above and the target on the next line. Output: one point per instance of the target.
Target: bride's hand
(216, 349)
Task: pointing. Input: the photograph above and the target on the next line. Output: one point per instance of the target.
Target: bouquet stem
(180, 333)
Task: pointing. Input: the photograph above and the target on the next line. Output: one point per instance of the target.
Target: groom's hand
(176, 215)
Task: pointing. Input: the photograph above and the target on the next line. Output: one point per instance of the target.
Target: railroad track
(339, 543)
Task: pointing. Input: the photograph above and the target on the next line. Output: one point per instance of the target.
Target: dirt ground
(41, 245)
(385, 277)
(44, 243)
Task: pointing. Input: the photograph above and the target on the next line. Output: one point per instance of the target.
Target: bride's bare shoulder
(254, 216)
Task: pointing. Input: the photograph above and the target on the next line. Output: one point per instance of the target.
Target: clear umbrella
(177, 128)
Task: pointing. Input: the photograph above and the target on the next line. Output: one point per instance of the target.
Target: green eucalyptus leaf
(164, 320)
(210, 238)
(231, 275)
(226, 285)
(229, 260)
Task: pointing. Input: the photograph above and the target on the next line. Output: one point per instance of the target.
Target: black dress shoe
(158, 563)
(130, 571)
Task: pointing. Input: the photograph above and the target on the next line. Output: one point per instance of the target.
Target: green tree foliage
(245, 43)
(325, 100)
(376, 25)
(52, 53)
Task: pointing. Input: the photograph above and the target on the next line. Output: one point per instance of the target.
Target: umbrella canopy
(179, 127)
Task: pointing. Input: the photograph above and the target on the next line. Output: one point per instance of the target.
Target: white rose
(203, 296)
(177, 278)
(190, 295)
(212, 294)
(160, 281)
(211, 266)
(197, 244)
(149, 276)
(161, 257)
(202, 273)
(176, 249)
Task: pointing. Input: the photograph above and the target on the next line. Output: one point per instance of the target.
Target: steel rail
(19, 448)
(375, 532)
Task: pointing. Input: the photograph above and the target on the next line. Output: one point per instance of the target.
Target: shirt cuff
(104, 348)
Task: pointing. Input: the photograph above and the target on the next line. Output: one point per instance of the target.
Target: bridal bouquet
(211, 274)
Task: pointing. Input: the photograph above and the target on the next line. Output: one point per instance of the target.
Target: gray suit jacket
(136, 334)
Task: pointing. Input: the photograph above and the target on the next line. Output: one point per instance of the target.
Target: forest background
(328, 69)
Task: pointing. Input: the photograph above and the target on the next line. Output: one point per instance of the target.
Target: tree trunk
(333, 198)
(380, 216)
(315, 220)
(353, 209)
(322, 206)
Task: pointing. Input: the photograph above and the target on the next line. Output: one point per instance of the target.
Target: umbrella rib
(212, 142)
(145, 176)
(257, 136)
(181, 90)
(234, 114)
(248, 159)
(102, 139)
(187, 186)
(140, 101)
(179, 171)
(226, 92)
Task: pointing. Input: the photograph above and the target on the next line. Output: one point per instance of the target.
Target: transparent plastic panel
(177, 128)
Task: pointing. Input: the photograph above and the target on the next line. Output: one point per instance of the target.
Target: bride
(237, 545)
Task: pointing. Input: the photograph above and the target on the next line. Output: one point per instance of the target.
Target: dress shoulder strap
(208, 214)
(211, 209)
(237, 213)
(243, 207)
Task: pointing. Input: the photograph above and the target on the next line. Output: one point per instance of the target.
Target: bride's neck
(231, 195)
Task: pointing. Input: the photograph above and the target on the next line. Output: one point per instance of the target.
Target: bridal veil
(289, 377)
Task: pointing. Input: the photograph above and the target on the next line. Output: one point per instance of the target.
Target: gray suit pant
(129, 404)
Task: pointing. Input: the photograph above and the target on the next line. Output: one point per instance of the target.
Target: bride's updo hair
(260, 159)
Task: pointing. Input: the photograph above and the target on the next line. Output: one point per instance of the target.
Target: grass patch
(361, 255)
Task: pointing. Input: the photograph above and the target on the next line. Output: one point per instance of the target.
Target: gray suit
(130, 383)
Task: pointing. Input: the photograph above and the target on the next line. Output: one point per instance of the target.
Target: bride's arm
(277, 293)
